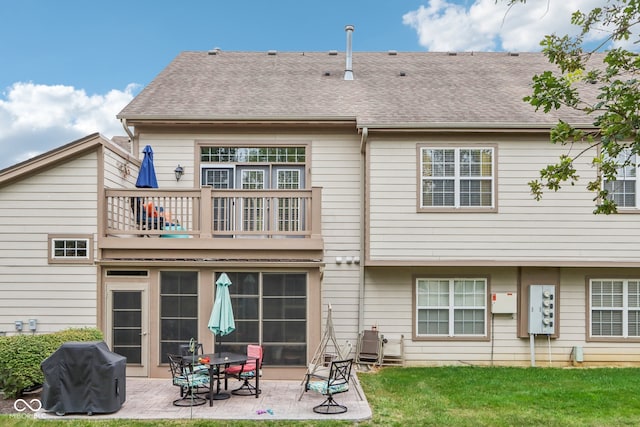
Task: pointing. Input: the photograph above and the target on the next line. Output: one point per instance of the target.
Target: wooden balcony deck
(207, 223)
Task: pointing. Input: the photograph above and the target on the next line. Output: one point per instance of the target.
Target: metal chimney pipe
(348, 72)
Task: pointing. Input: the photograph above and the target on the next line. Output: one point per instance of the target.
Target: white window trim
(452, 308)
(625, 309)
(456, 178)
(53, 259)
(622, 177)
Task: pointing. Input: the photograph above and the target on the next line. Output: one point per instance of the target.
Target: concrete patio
(152, 399)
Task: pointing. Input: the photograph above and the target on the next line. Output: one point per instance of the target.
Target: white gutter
(126, 129)
(459, 126)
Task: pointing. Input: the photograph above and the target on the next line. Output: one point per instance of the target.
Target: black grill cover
(83, 377)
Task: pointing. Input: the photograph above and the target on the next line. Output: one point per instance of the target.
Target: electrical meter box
(542, 311)
(504, 303)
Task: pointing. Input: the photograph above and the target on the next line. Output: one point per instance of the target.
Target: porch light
(179, 172)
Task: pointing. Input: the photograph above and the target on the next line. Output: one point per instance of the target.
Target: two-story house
(389, 185)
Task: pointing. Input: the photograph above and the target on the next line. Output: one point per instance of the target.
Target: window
(454, 307)
(257, 171)
(289, 208)
(219, 154)
(457, 177)
(615, 308)
(178, 310)
(70, 249)
(622, 191)
(270, 309)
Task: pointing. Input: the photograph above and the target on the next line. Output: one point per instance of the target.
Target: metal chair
(247, 372)
(184, 377)
(337, 382)
(185, 349)
(198, 350)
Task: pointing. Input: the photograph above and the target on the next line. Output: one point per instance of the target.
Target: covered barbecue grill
(83, 377)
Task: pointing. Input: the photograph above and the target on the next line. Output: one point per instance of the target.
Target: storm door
(127, 327)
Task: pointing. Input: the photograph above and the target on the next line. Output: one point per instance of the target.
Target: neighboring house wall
(60, 201)
(119, 172)
(561, 229)
(389, 293)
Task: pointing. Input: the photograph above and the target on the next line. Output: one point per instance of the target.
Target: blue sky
(69, 66)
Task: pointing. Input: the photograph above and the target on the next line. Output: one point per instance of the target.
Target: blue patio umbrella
(221, 321)
(147, 173)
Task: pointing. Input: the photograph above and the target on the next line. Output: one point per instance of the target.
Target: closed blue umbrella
(221, 321)
(147, 173)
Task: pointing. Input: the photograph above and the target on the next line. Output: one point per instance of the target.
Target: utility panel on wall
(542, 313)
(503, 303)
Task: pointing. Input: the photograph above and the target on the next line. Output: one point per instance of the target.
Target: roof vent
(452, 53)
(272, 52)
(214, 51)
(333, 52)
(393, 52)
(402, 74)
(326, 73)
(348, 71)
(513, 54)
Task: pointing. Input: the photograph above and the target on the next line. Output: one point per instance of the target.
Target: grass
(463, 396)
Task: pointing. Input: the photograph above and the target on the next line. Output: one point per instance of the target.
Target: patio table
(220, 361)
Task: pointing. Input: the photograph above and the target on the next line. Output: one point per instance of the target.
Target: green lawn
(465, 396)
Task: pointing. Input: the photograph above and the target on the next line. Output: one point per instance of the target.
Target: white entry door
(127, 325)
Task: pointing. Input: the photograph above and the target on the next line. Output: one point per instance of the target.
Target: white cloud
(36, 118)
(487, 25)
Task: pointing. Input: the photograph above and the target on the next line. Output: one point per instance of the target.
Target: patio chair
(392, 351)
(369, 348)
(337, 382)
(184, 377)
(247, 372)
(198, 350)
(142, 217)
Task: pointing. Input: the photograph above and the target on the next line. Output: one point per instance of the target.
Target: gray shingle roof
(436, 88)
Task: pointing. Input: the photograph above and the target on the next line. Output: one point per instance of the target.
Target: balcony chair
(183, 376)
(247, 372)
(337, 382)
(145, 220)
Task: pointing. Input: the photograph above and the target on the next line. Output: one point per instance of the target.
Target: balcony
(202, 222)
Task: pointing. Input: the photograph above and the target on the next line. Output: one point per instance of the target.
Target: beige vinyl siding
(61, 200)
(335, 164)
(560, 228)
(118, 171)
(388, 305)
(169, 151)
(336, 168)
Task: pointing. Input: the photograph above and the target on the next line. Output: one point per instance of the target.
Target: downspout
(363, 216)
(127, 130)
